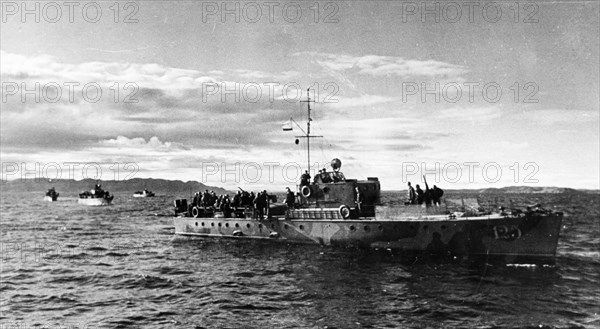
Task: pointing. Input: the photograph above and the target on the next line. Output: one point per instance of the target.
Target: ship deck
(397, 217)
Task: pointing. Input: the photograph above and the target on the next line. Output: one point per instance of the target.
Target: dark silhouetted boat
(326, 212)
(95, 197)
(143, 194)
(51, 195)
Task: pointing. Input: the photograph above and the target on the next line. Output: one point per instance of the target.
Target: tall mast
(308, 127)
(308, 136)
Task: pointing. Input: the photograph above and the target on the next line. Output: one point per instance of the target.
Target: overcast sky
(370, 63)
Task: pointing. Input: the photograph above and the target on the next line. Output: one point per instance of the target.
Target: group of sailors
(51, 192)
(257, 201)
(97, 192)
(322, 177)
(428, 197)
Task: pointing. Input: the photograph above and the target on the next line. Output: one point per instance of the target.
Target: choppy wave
(120, 267)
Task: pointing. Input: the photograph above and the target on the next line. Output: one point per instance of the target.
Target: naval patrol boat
(143, 194)
(95, 197)
(326, 212)
(51, 195)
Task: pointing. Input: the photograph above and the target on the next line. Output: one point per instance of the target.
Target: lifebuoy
(306, 191)
(344, 211)
(196, 212)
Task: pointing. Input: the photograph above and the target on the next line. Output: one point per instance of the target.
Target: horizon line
(3, 181)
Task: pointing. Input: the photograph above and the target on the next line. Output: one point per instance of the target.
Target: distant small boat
(95, 197)
(51, 195)
(143, 194)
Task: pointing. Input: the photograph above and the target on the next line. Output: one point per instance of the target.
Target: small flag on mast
(287, 126)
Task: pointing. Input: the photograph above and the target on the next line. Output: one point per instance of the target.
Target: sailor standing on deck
(257, 206)
(237, 198)
(412, 197)
(205, 199)
(290, 199)
(437, 194)
(260, 203)
(195, 200)
(325, 178)
(213, 199)
(420, 194)
(251, 198)
(305, 178)
(245, 199)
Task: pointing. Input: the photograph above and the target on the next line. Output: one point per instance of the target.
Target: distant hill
(524, 190)
(529, 189)
(73, 187)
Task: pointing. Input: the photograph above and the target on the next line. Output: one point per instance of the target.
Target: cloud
(262, 75)
(361, 101)
(559, 117)
(164, 102)
(44, 68)
(139, 142)
(472, 114)
(376, 65)
(174, 128)
(47, 126)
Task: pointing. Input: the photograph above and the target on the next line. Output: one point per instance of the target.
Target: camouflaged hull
(517, 238)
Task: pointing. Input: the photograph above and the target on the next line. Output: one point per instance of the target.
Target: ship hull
(533, 236)
(94, 201)
(50, 199)
(143, 195)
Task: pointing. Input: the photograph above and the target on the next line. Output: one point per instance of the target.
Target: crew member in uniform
(420, 194)
(437, 195)
(237, 199)
(251, 198)
(290, 199)
(411, 195)
(325, 178)
(260, 202)
(305, 178)
(195, 200)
